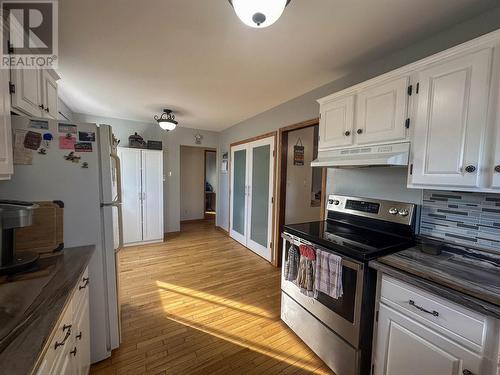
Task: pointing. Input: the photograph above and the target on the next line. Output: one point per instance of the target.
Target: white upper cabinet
(6, 165)
(337, 122)
(381, 112)
(49, 95)
(451, 119)
(27, 95)
(35, 92)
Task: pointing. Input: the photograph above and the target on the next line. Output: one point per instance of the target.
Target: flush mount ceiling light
(259, 13)
(166, 120)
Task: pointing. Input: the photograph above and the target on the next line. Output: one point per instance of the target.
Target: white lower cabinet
(68, 352)
(421, 333)
(405, 347)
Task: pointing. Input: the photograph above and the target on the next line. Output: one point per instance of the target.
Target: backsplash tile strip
(462, 218)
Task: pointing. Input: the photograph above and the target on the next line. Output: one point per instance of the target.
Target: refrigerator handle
(118, 176)
(119, 199)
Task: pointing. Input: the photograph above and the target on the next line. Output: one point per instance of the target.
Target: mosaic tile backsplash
(464, 218)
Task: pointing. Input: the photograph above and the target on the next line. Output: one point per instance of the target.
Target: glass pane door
(260, 181)
(239, 170)
(260, 195)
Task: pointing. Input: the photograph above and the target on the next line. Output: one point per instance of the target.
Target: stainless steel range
(358, 230)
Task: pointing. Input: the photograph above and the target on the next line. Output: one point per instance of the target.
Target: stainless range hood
(396, 154)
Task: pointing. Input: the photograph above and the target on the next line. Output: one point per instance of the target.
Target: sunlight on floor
(248, 316)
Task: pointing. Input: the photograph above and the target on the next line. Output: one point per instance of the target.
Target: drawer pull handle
(58, 344)
(467, 372)
(79, 336)
(67, 327)
(73, 352)
(85, 283)
(433, 312)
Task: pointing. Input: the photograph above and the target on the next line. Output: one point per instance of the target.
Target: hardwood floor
(203, 304)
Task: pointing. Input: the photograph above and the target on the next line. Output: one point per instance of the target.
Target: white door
(450, 121)
(381, 112)
(405, 347)
(49, 93)
(27, 96)
(336, 123)
(152, 195)
(239, 190)
(131, 194)
(6, 166)
(260, 196)
(252, 181)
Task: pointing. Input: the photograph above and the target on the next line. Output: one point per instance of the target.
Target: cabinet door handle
(41, 106)
(359, 131)
(58, 344)
(497, 168)
(47, 109)
(347, 133)
(433, 312)
(470, 169)
(73, 352)
(85, 283)
(467, 372)
(67, 327)
(79, 336)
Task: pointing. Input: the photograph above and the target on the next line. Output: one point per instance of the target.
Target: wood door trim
(256, 138)
(229, 165)
(281, 185)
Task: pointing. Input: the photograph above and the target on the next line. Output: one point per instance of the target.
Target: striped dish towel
(328, 274)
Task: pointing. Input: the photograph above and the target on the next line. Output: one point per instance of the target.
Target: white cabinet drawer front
(62, 340)
(336, 124)
(405, 347)
(451, 120)
(466, 326)
(381, 112)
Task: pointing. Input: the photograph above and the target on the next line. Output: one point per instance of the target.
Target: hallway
(203, 304)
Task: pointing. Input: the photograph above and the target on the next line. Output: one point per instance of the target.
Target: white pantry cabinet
(451, 120)
(34, 92)
(6, 162)
(142, 192)
(68, 351)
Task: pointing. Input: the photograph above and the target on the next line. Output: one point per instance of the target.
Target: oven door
(341, 315)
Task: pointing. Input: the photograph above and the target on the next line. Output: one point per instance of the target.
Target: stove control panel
(397, 212)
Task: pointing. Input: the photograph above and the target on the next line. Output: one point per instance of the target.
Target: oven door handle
(346, 262)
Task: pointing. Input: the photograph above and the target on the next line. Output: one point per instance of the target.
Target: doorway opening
(198, 184)
(301, 188)
(210, 184)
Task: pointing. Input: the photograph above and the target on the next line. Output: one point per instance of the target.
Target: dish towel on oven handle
(305, 275)
(328, 274)
(292, 263)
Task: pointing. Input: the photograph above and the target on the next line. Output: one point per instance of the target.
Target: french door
(252, 181)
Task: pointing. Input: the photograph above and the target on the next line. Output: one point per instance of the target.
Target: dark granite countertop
(467, 276)
(30, 308)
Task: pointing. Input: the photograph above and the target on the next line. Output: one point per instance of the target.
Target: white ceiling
(131, 58)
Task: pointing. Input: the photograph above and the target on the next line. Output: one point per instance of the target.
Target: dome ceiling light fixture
(259, 13)
(166, 120)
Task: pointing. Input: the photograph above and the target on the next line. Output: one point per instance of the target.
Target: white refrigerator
(92, 211)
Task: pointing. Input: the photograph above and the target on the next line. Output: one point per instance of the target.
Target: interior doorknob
(347, 133)
(497, 168)
(359, 131)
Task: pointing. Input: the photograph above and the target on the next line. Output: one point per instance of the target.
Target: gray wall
(171, 156)
(305, 107)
